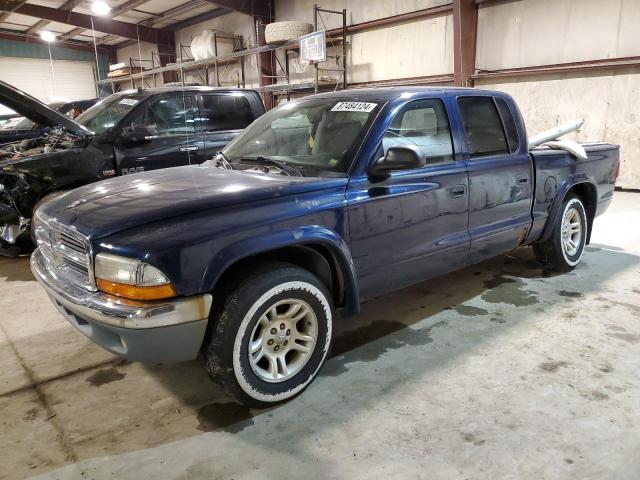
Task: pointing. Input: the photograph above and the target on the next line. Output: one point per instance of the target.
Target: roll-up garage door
(74, 80)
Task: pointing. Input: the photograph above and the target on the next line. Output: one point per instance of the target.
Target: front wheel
(271, 337)
(564, 249)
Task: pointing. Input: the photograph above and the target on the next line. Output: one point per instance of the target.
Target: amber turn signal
(134, 292)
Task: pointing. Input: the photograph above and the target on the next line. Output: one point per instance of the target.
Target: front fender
(560, 195)
(317, 235)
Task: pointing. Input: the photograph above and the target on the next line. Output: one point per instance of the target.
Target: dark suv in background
(126, 133)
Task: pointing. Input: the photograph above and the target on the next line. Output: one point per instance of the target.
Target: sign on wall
(313, 48)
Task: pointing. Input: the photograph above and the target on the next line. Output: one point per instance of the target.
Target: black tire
(553, 253)
(226, 349)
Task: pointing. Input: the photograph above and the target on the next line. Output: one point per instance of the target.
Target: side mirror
(137, 134)
(401, 157)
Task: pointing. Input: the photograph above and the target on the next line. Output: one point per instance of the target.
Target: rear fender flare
(329, 239)
(556, 206)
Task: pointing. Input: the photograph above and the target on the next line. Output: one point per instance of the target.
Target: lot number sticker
(128, 101)
(353, 107)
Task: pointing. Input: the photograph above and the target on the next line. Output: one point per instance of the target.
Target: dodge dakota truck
(325, 201)
(126, 133)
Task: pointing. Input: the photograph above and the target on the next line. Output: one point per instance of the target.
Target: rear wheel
(564, 249)
(271, 337)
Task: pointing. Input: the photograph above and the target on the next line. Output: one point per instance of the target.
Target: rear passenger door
(500, 176)
(175, 136)
(222, 117)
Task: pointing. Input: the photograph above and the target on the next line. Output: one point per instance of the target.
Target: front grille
(66, 252)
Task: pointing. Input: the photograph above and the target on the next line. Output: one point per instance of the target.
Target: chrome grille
(67, 253)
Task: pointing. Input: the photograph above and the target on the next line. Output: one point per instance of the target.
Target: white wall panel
(73, 80)
(609, 103)
(143, 52)
(358, 11)
(233, 23)
(540, 32)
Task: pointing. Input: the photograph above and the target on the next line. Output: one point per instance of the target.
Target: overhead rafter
(125, 7)
(68, 5)
(101, 24)
(4, 15)
(218, 12)
(255, 8)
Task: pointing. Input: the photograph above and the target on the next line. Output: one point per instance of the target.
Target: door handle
(189, 149)
(522, 179)
(457, 191)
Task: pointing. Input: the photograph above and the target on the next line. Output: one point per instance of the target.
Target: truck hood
(35, 110)
(122, 203)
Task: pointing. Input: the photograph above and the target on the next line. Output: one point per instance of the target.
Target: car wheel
(565, 247)
(271, 337)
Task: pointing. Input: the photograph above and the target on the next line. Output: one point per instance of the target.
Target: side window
(423, 123)
(169, 116)
(482, 126)
(509, 125)
(225, 112)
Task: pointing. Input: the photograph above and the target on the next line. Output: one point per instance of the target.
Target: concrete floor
(497, 371)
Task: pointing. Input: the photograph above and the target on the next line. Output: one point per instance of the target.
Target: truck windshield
(321, 134)
(107, 113)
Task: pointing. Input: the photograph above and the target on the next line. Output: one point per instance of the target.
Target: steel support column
(465, 25)
(167, 54)
(266, 60)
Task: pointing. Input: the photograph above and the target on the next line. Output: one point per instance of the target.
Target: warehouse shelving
(184, 63)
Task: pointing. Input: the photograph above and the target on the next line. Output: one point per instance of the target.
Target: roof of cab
(186, 88)
(389, 93)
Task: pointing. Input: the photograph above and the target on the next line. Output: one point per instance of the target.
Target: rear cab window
(225, 112)
(483, 127)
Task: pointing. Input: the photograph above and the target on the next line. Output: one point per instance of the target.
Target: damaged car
(128, 132)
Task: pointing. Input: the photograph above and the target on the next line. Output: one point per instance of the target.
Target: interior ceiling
(155, 14)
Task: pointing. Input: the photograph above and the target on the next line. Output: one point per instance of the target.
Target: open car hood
(37, 111)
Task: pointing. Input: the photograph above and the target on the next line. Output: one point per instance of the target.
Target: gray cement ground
(497, 371)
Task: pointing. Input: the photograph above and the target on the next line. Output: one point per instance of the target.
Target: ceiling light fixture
(100, 8)
(47, 36)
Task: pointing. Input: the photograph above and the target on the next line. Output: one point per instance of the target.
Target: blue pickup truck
(319, 204)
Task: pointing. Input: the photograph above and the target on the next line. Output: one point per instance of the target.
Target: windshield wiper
(284, 166)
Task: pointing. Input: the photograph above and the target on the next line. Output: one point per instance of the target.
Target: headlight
(130, 278)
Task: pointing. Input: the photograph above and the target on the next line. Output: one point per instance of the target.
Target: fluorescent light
(100, 8)
(47, 36)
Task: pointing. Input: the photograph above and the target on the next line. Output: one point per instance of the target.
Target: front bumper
(164, 331)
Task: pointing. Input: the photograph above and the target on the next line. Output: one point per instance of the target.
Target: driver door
(176, 138)
(412, 225)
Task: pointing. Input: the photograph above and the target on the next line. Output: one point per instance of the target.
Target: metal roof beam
(101, 24)
(256, 8)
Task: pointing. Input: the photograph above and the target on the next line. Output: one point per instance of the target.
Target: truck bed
(555, 170)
